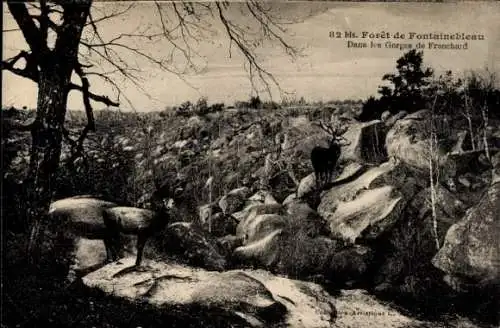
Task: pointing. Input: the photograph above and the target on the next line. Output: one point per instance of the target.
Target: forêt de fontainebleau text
(408, 40)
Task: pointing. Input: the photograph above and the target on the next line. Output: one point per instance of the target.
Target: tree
(64, 39)
(406, 89)
(408, 84)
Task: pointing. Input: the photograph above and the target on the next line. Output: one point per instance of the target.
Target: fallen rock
(349, 172)
(302, 256)
(393, 119)
(289, 199)
(89, 254)
(408, 142)
(229, 243)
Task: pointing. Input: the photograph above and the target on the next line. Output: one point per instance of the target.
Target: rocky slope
(250, 203)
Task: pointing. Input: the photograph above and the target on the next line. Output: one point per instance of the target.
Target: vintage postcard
(250, 164)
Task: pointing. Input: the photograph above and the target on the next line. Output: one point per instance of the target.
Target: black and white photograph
(303, 164)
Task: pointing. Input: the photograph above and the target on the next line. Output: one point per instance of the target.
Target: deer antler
(335, 131)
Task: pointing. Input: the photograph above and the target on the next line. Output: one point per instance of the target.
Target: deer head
(168, 191)
(336, 133)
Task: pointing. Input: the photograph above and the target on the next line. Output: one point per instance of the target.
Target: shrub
(255, 103)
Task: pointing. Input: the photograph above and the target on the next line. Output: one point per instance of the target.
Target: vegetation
(415, 87)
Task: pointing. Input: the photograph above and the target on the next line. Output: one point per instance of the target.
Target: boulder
(471, 245)
(349, 172)
(411, 245)
(301, 218)
(78, 216)
(228, 244)
(258, 226)
(302, 256)
(366, 143)
(234, 200)
(408, 141)
(263, 252)
(88, 255)
(370, 215)
(348, 266)
(261, 197)
(253, 210)
(193, 246)
(348, 191)
(393, 119)
(219, 225)
(289, 199)
(251, 298)
(306, 185)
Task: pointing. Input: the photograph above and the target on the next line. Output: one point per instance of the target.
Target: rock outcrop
(471, 249)
(259, 298)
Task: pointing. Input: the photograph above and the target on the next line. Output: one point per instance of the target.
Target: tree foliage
(406, 89)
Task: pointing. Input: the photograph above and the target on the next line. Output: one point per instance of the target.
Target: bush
(255, 103)
(185, 109)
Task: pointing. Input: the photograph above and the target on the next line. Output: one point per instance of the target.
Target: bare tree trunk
(46, 141)
(484, 113)
(54, 77)
(469, 121)
(433, 169)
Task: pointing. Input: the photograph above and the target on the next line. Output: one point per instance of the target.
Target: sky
(326, 70)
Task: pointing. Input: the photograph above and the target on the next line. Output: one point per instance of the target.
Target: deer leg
(142, 238)
(112, 239)
(110, 256)
(141, 243)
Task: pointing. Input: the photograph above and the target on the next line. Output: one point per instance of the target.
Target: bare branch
(102, 99)
(94, 22)
(236, 35)
(30, 32)
(30, 70)
(86, 98)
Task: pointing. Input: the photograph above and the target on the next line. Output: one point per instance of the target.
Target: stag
(96, 218)
(143, 223)
(324, 160)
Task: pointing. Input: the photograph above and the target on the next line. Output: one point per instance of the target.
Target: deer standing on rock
(324, 160)
(95, 218)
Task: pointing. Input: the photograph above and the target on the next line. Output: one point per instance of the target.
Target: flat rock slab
(260, 298)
